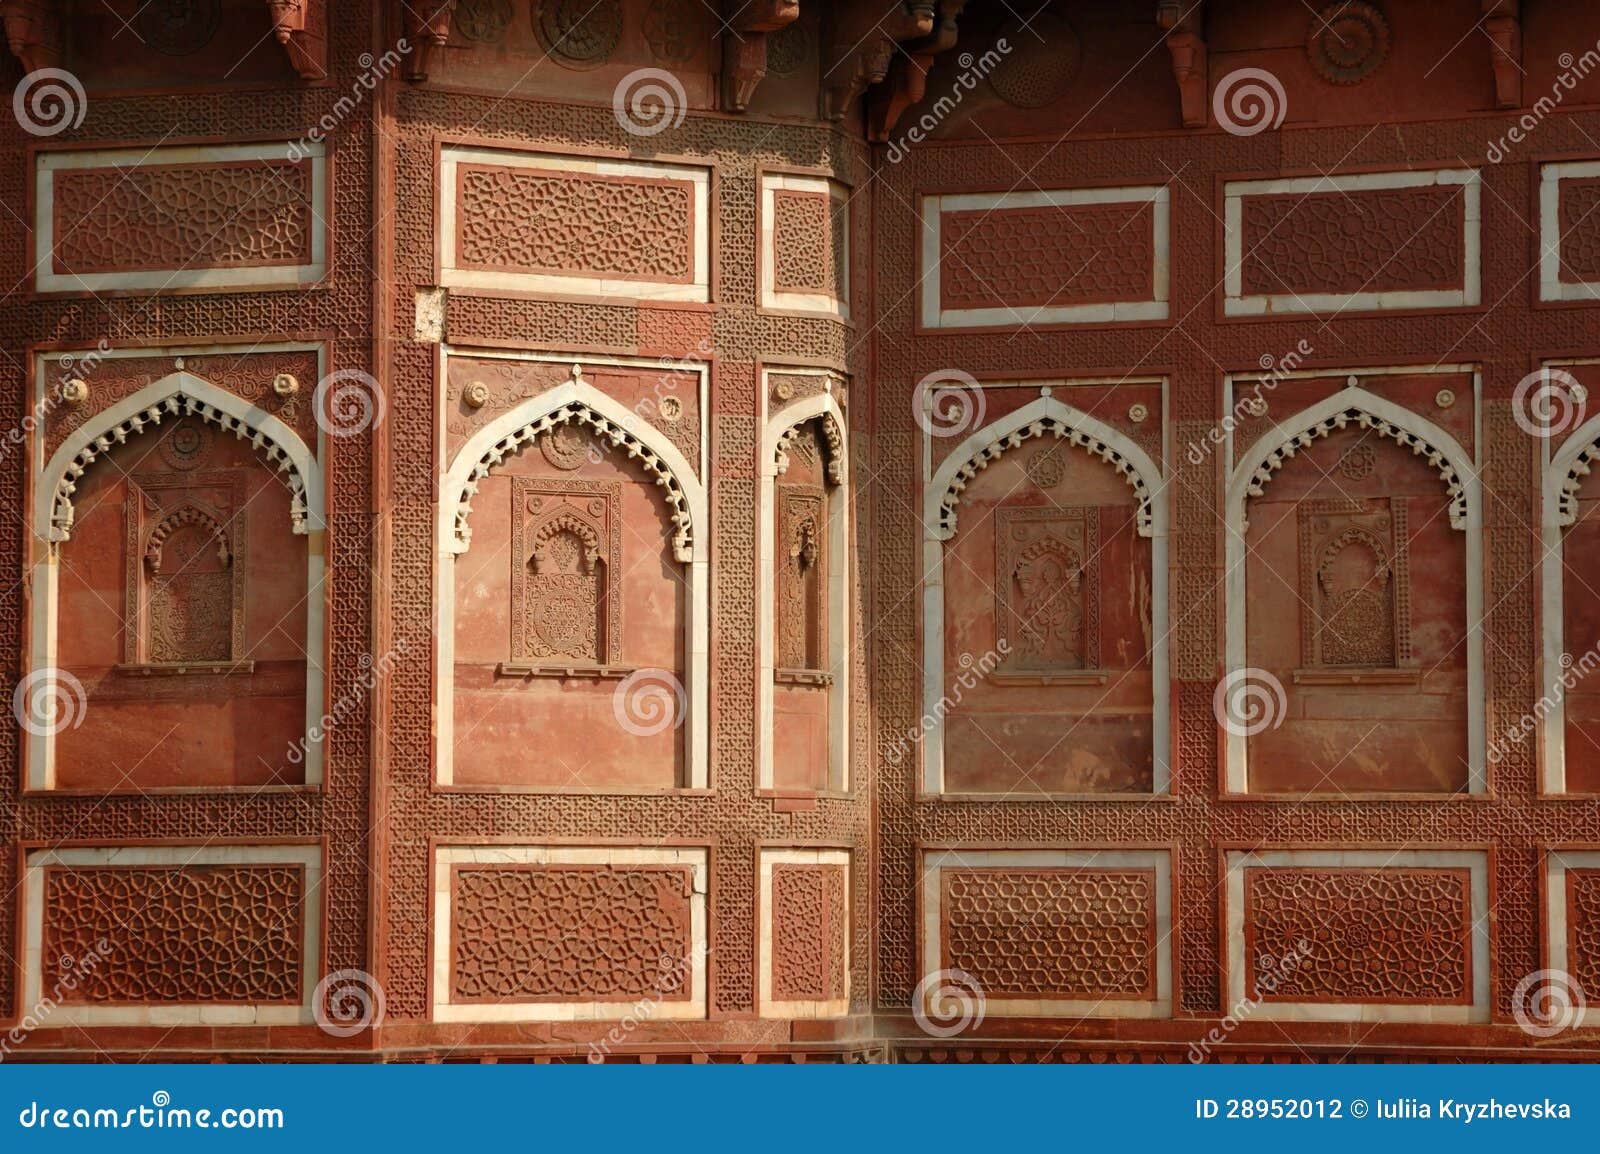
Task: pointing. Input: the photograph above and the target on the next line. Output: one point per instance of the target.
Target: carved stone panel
(802, 576)
(808, 932)
(1047, 598)
(566, 553)
(1355, 583)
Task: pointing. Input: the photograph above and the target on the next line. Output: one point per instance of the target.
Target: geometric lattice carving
(1579, 229)
(1047, 586)
(566, 557)
(569, 933)
(195, 934)
(1583, 928)
(1052, 933)
(1375, 935)
(808, 245)
(188, 216)
(808, 932)
(1047, 256)
(1355, 583)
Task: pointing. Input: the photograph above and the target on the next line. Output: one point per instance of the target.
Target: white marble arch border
(455, 487)
(1556, 864)
(940, 486)
(1563, 474)
(1264, 454)
(309, 857)
(791, 416)
(47, 533)
(1474, 860)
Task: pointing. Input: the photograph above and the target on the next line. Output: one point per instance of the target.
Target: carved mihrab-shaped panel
(1047, 592)
(566, 551)
(1355, 584)
(802, 576)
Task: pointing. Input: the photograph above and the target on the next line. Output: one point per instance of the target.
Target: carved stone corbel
(301, 26)
(428, 30)
(1182, 21)
(1502, 24)
(744, 48)
(908, 80)
(33, 32)
(860, 48)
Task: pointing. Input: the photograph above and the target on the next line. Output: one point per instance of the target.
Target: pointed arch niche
(1568, 710)
(1354, 585)
(803, 614)
(1044, 594)
(572, 586)
(177, 598)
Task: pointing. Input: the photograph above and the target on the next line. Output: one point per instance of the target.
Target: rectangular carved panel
(1569, 231)
(1355, 582)
(802, 583)
(1360, 935)
(1052, 933)
(1047, 592)
(566, 556)
(1583, 927)
(808, 932)
(807, 242)
(570, 933)
(196, 934)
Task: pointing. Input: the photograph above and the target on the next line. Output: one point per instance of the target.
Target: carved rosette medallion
(1042, 64)
(485, 21)
(1348, 41)
(578, 33)
(178, 27)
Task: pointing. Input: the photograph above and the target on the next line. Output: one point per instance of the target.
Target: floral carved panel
(566, 553)
(1047, 596)
(1355, 583)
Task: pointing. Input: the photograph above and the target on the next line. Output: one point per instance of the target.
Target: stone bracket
(909, 75)
(1182, 23)
(1502, 24)
(33, 32)
(301, 26)
(428, 30)
(744, 48)
(860, 47)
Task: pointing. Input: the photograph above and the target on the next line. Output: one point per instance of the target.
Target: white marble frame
(163, 1014)
(1551, 286)
(934, 861)
(698, 287)
(826, 406)
(48, 163)
(454, 486)
(47, 537)
(1236, 303)
(768, 1007)
(838, 198)
(937, 484)
(1477, 861)
(1155, 308)
(1244, 476)
(1556, 864)
(443, 1010)
(1564, 469)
